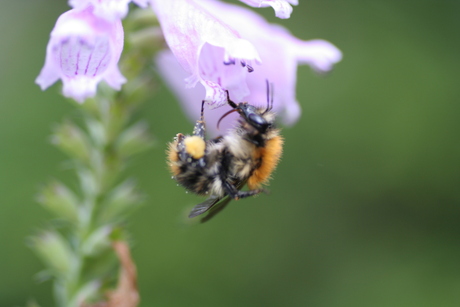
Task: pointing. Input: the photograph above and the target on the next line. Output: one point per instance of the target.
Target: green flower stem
(77, 248)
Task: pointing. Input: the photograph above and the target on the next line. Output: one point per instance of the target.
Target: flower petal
(79, 88)
(173, 74)
(108, 9)
(282, 8)
(319, 54)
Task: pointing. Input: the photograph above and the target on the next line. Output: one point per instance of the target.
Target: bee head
(253, 116)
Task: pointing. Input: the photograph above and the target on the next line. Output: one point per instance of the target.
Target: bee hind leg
(181, 147)
(243, 194)
(234, 193)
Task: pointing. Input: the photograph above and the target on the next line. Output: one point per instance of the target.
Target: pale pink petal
(191, 31)
(48, 76)
(319, 54)
(83, 50)
(173, 74)
(108, 9)
(114, 78)
(79, 88)
(218, 76)
(281, 7)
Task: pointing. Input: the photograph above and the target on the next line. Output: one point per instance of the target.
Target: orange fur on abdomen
(269, 157)
(173, 157)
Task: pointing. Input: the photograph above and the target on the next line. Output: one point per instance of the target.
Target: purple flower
(108, 9)
(271, 46)
(83, 50)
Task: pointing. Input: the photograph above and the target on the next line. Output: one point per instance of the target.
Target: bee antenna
(231, 103)
(272, 95)
(269, 96)
(229, 112)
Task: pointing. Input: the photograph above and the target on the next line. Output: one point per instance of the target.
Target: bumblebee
(222, 166)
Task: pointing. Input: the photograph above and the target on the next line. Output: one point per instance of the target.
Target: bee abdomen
(268, 158)
(196, 181)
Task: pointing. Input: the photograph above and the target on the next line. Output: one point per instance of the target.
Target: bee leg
(243, 194)
(200, 127)
(257, 140)
(181, 147)
(231, 103)
(234, 193)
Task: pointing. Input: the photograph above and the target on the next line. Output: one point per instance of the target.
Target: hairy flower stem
(79, 248)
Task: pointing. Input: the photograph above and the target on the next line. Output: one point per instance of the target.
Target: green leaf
(54, 251)
(104, 265)
(97, 132)
(86, 293)
(72, 140)
(134, 139)
(121, 200)
(60, 201)
(89, 183)
(97, 241)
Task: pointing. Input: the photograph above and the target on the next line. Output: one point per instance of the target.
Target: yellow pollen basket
(195, 146)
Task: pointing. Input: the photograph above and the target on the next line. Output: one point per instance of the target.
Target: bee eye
(258, 122)
(256, 119)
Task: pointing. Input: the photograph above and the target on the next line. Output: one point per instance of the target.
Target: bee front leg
(200, 126)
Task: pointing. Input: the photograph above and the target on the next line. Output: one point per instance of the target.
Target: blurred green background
(364, 207)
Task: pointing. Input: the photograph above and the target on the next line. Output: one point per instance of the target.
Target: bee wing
(204, 206)
(216, 208)
(213, 204)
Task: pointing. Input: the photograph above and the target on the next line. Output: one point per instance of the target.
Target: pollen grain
(195, 146)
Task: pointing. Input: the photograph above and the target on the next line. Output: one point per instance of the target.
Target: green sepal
(121, 201)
